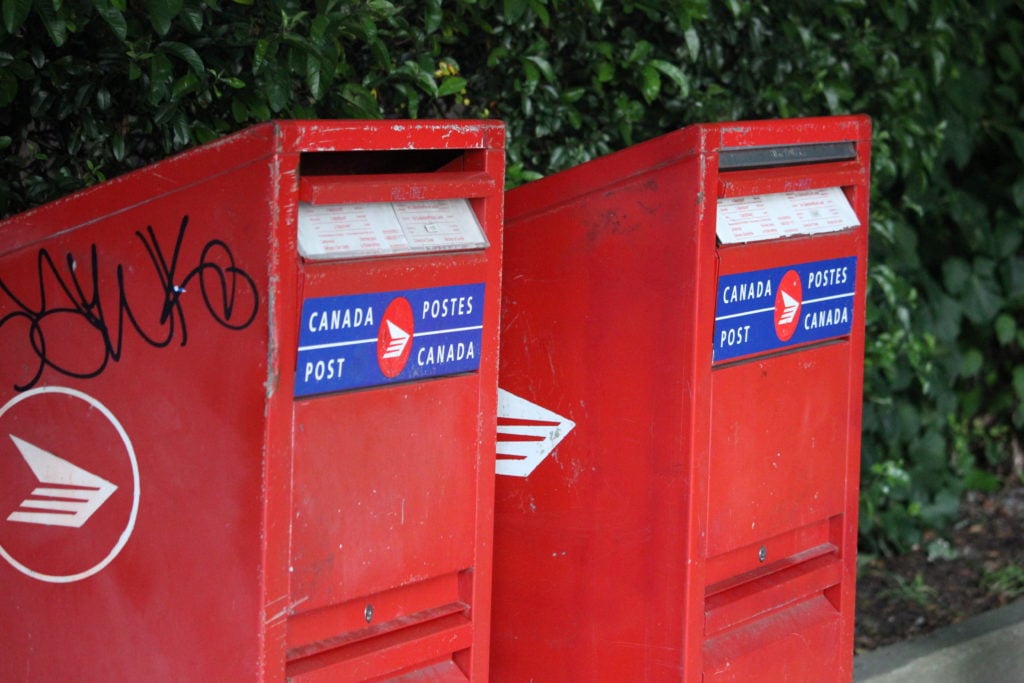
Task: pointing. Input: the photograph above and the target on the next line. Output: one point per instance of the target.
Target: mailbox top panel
(321, 136)
(252, 144)
(755, 148)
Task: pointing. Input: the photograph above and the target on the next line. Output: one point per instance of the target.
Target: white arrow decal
(399, 338)
(527, 434)
(73, 494)
(789, 308)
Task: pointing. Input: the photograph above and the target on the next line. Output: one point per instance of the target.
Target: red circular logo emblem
(69, 485)
(394, 337)
(788, 300)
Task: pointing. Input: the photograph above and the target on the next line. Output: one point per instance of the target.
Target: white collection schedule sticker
(337, 231)
(773, 216)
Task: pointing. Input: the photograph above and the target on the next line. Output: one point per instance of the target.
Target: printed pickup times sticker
(773, 216)
(366, 340)
(766, 310)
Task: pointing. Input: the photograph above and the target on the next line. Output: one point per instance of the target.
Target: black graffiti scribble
(228, 294)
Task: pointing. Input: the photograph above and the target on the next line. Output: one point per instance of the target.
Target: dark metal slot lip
(739, 158)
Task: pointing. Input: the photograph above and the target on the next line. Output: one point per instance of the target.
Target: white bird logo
(789, 309)
(399, 338)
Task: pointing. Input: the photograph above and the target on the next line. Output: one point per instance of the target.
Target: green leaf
(980, 480)
(238, 110)
(164, 113)
(184, 85)
(971, 363)
(451, 85)
(432, 15)
(412, 99)
(541, 11)
(641, 50)
(514, 10)
(955, 274)
(1006, 329)
(259, 54)
(184, 53)
(650, 83)
(192, 18)
(544, 66)
(15, 12)
(313, 76)
(182, 131)
(571, 95)
(160, 72)
(260, 111)
(115, 20)
(162, 13)
(103, 98)
(361, 102)
(117, 146)
(674, 74)
(276, 90)
(531, 75)
(55, 25)
(8, 88)
(1017, 192)
(500, 54)
(692, 43)
(982, 299)
(423, 79)
(1018, 382)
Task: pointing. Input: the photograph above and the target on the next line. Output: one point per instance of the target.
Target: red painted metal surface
(230, 530)
(699, 522)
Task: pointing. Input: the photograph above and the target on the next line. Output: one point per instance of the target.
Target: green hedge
(92, 88)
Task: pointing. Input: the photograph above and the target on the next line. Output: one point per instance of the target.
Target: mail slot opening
(376, 162)
(739, 158)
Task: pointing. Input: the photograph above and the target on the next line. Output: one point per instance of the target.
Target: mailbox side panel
(133, 319)
(603, 274)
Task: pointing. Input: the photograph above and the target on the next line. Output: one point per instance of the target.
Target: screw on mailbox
(762, 554)
(368, 613)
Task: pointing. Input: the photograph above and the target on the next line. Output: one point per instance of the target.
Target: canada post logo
(396, 330)
(788, 300)
(364, 340)
(765, 310)
(69, 485)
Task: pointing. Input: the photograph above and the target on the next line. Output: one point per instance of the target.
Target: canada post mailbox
(679, 412)
(247, 402)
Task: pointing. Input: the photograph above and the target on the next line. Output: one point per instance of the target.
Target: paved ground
(988, 648)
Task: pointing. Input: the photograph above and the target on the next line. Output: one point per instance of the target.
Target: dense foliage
(92, 88)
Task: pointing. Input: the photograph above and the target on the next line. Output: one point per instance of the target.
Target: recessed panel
(778, 444)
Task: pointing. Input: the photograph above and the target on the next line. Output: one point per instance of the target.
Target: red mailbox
(247, 402)
(679, 416)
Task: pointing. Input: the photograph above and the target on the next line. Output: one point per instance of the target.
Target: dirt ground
(982, 568)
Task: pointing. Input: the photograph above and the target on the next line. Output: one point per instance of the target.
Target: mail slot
(247, 402)
(679, 411)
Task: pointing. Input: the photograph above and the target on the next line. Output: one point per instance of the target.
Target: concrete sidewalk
(988, 648)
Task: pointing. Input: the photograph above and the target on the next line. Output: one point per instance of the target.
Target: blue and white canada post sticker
(365, 340)
(765, 310)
